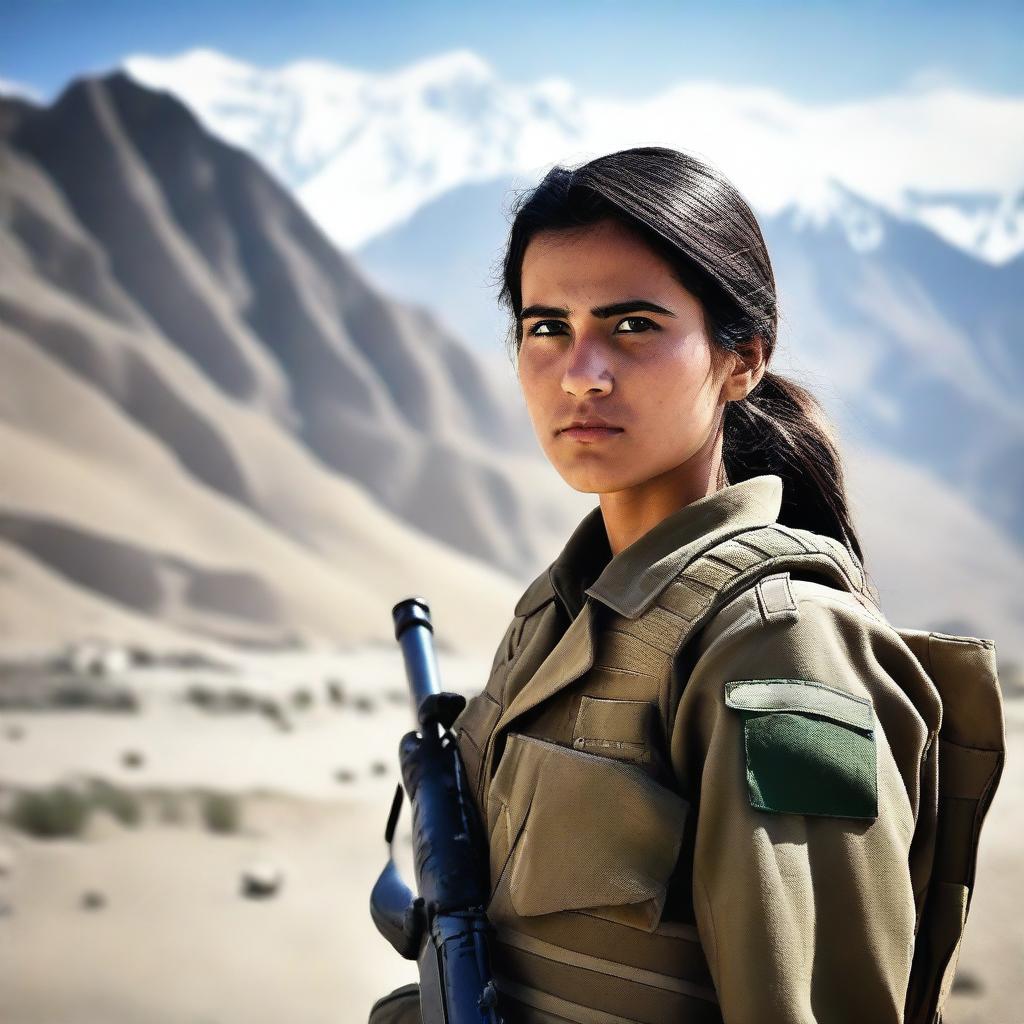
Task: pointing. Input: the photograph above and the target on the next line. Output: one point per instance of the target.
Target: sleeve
(803, 750)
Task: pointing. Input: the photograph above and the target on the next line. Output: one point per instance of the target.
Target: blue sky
(822, 50)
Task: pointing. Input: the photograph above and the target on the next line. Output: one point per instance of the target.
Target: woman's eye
(648, 324)
(643, 323)
(536, 329)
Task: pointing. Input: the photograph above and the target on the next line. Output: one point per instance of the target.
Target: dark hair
(697, 221)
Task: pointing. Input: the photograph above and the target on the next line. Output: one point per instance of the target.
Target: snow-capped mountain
(363, 152)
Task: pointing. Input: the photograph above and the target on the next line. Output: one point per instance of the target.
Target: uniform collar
(630, 581)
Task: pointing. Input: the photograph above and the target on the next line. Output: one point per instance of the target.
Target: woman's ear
(747, 370)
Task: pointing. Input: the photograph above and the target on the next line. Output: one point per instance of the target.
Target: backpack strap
(722, 572)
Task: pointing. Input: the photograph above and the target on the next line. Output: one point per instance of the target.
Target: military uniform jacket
(701, 824)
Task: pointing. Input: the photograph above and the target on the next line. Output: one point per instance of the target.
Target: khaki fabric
(633, 879)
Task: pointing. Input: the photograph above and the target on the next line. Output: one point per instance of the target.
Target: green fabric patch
(801, 763)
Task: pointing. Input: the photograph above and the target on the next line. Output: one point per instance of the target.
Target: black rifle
(445, 927)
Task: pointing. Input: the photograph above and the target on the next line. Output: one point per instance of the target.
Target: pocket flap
(803, 695)
(588, 831)
(615, 727)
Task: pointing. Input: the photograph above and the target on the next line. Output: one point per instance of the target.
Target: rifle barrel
(414, 632)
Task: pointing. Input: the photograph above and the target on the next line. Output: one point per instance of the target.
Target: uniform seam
(642, 976)
(973, 641)
(649, 641)
(691, 581)
(823, 551)
(712, 556)
(665, 705)
(753, 614)
(831, 601)
(748, 616)
(625, 671)
(714, 936)
(671, 611)
(465, 735)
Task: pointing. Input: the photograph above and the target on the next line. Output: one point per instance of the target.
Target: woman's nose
(587, 368)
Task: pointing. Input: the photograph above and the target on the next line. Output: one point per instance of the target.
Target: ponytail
(780, 428)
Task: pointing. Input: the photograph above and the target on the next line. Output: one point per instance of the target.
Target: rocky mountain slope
(211, 416)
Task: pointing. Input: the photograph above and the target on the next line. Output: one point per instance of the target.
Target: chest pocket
(615, 728)
(571, 830)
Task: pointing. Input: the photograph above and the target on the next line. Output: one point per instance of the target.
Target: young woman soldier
(699, 774)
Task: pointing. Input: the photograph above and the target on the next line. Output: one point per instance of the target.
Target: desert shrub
(50, 813)
(122, 804)
(220, 812)
(76, 693)
(133, 758)
(201, 695)
(269, 708)
(238, 699)
(122, 700)
(88, 693)
(92, 899)
(168, 808)
(302, 698)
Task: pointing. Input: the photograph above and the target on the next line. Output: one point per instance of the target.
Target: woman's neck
(628, 514)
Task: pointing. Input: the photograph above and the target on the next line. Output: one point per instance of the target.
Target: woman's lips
(590, 434)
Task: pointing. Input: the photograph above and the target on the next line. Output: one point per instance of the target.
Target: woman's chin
(590, 480)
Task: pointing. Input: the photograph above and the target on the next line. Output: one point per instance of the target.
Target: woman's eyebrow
(601, 312)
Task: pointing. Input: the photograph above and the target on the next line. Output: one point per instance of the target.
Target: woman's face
(608, 332)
